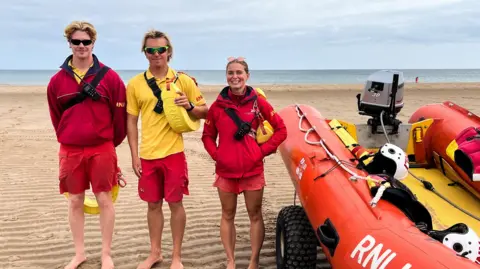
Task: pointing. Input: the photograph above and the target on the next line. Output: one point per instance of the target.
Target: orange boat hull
(380, 237)
(449, 120)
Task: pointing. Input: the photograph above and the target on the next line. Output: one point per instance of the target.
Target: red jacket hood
(224, 100)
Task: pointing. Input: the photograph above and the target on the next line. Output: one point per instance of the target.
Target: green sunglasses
(160, 50)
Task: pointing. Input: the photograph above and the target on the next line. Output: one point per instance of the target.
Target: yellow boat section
(448, 185)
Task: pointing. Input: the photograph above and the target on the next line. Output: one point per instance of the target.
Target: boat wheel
(295, 242)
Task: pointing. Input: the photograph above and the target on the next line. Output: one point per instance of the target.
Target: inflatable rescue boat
(383, 194)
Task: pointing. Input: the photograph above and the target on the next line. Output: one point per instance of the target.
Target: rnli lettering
(368, 252)
(301, 168)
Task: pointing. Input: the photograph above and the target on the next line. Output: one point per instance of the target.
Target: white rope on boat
(378, 195)
(354, 176)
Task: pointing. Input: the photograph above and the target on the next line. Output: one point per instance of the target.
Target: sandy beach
(34, 231)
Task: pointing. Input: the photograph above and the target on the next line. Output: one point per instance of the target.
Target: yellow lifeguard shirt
(78, 72)
(158, 139)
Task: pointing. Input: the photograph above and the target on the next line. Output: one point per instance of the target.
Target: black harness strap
(231, 112)
(243, 128)
(81, 95)
(152, 83)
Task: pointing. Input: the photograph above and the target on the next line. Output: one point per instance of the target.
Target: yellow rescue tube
(261, 93)
(263, 134)
(177, 116)
(90, 206)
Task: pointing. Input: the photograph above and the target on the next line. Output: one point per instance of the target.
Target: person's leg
(76, 219)
(228, 190)
(253, 193)
(155, 228)
(178, 221)
(73, 179)
(175, 171)
(150, 189)
(228, 233)
(107, 222)
(102, 171)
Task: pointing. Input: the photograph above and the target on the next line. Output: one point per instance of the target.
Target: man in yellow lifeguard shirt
(161, 165)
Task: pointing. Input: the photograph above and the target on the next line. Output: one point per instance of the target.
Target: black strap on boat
(87, 89)
(429, 186)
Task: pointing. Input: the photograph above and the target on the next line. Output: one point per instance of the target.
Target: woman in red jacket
(238, 156)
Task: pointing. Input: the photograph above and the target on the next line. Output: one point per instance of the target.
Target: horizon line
(313, 69)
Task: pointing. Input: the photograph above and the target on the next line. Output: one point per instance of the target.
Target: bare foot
(253, 265)
(176, 264)
(150, 261)
(76, 261)
(107, 262)
(231, 265)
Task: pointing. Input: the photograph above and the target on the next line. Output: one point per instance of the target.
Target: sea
(259, 77)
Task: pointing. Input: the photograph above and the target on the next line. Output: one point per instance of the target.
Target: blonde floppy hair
(80, 26)
(157, 34)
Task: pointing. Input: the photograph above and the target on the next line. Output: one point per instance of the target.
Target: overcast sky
(271, 34)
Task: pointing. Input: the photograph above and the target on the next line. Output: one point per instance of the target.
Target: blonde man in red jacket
(89, 125)
(238, 156)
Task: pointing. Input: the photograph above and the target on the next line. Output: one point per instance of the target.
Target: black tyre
(296, 243)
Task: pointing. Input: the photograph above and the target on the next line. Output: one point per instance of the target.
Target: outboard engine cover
(377, 94)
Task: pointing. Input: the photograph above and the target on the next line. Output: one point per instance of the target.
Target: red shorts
(82, 166)
(239, 185)
(164, 178)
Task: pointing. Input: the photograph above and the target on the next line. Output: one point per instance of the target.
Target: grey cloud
(456, 23)
(329, 21)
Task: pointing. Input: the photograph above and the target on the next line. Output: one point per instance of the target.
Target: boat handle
(297, 108)
(308, 141)
(300, 124)
(328, 236)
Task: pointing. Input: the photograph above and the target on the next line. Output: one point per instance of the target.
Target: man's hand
(182, 100)
(137, 166)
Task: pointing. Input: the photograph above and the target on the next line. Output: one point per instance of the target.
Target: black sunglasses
(77, 42)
